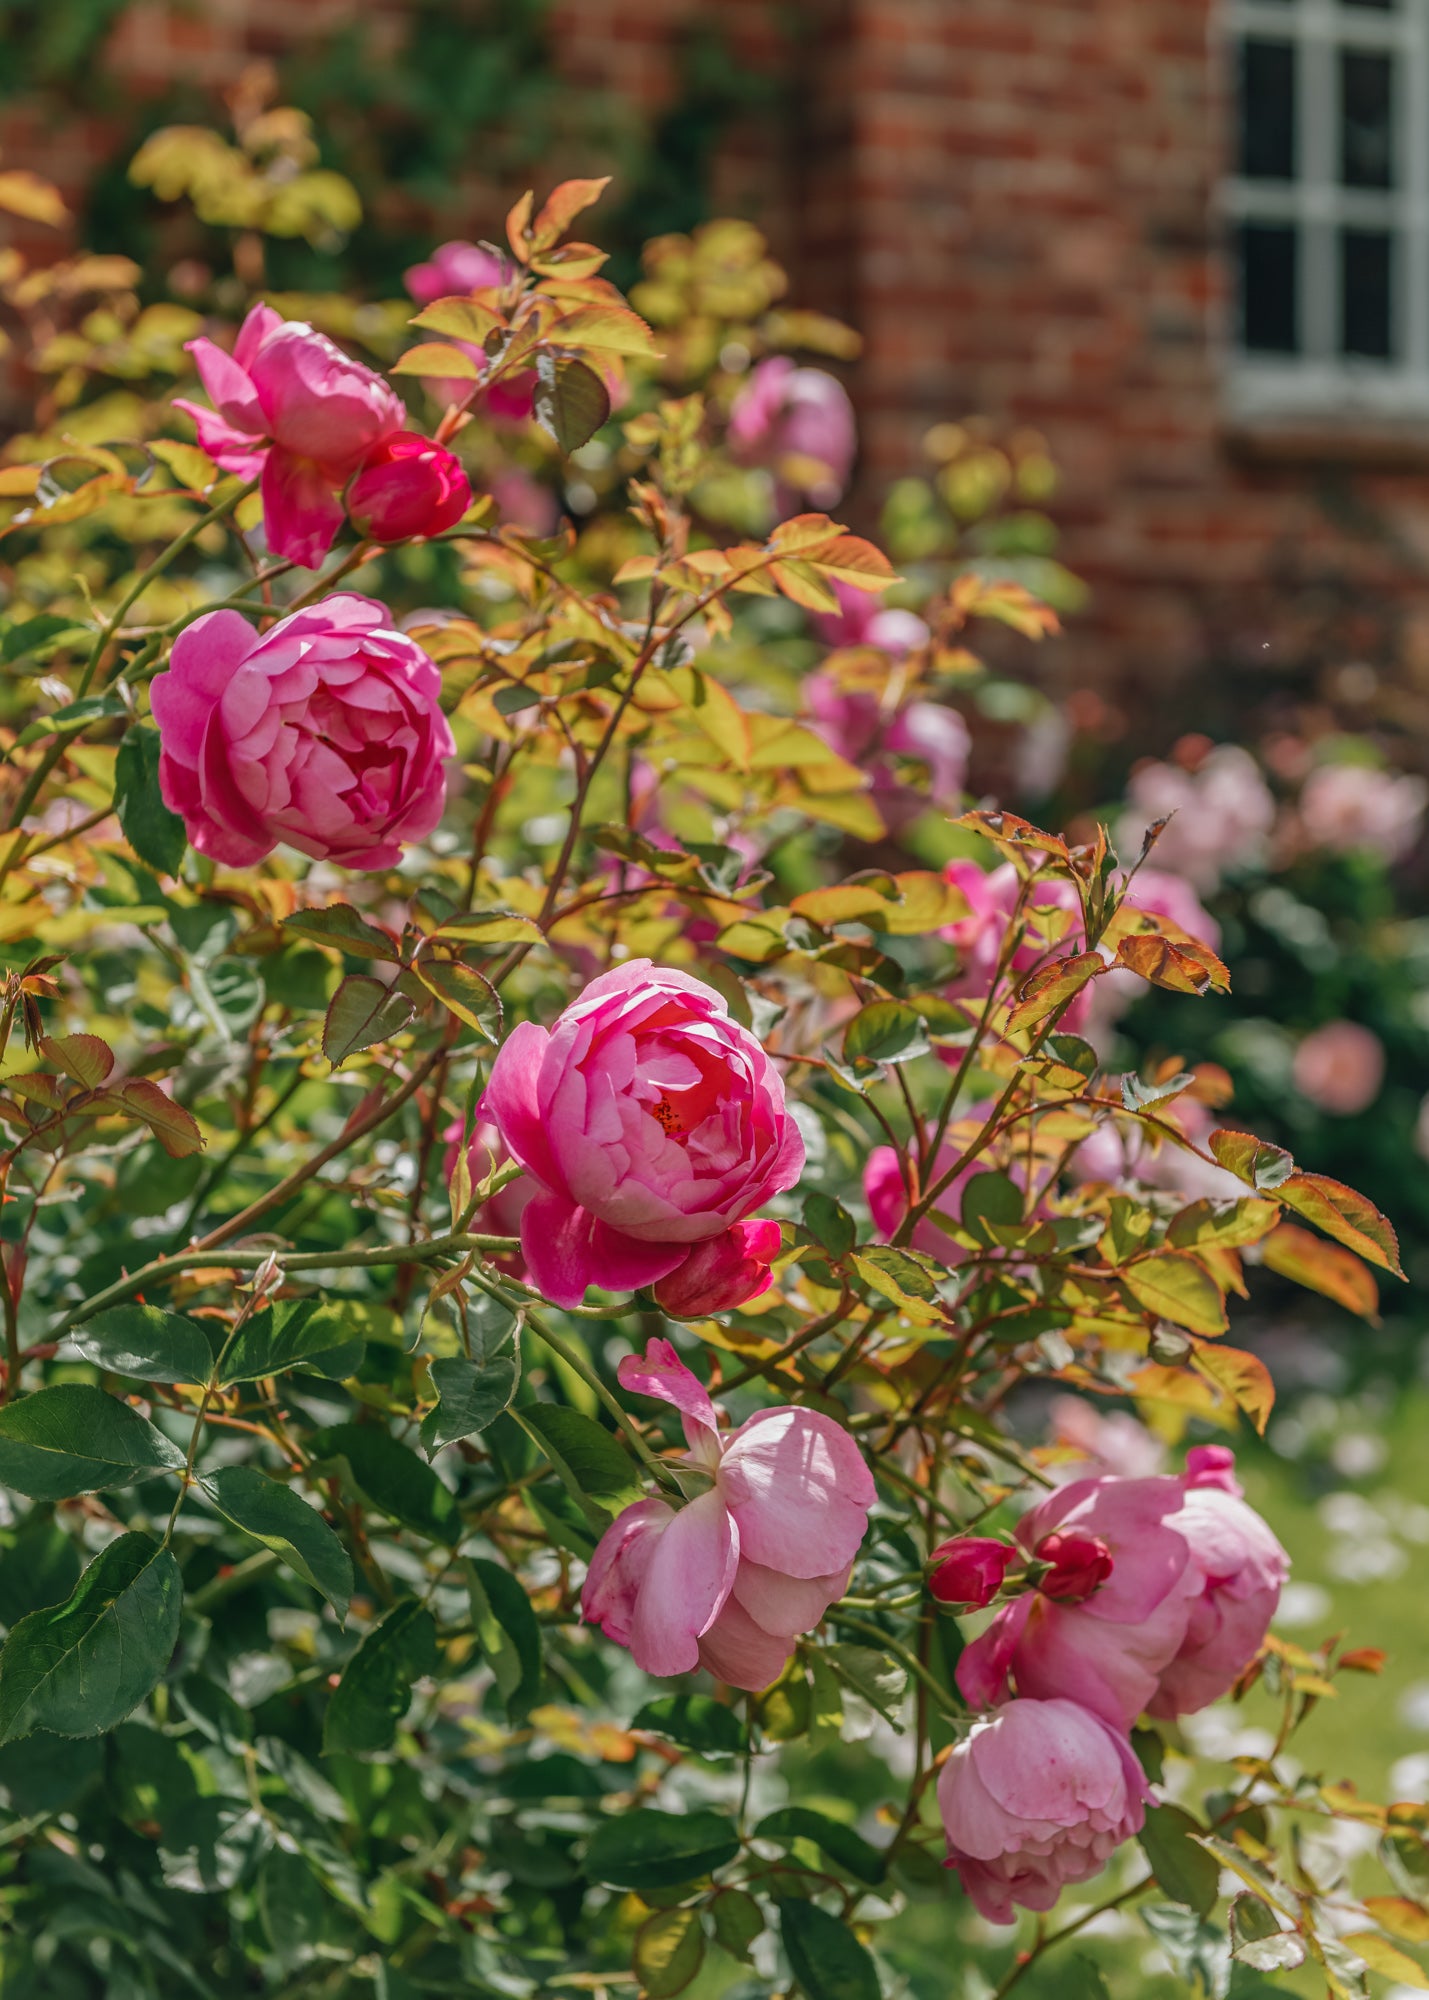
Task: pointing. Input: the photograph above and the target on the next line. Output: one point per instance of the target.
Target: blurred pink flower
(980, 936)
(407, 488)
(326, 731)
(523, 502)
(799, 423)
(1037, 1795)
(454, 270)
(1339, 1068)
(1223, 812)
(1115, 1441)
(1121, 1151)
(292, 410)
(854, 722)
(861, 620)
(651, 1122)
(887, 1195)
(1160, 894)
(730, 1579)
(1349, 806)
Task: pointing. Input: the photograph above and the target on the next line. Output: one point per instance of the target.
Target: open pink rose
(291, 408)
(729, 1580)
(651, 1122)
(1108, 1653)
(326, 732)
(1038, 1795)
(1195, 1580)
(800, 423)
(408, 487)
(1241, 1567)
(1340, 1068)
(1345, 807)
(1218, 815)
(452, 269)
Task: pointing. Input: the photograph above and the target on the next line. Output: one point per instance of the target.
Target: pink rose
(1038, 1795)
(800, 423)
(1339, 1068)
(854, 722)
(887, 1195)
(861, 620)
(1123, 1153)
(969, 1569)
(725, 1272)
(1195, 1580)
(1221, 813)
(1114, 1442)
(290, 408)
(982, 934)
(1349, 806)
(1240, 1567)
(729, 1580)
(1109, 1653)
(408, 488)
(326, 732)
(649, 1119)
(454, 269)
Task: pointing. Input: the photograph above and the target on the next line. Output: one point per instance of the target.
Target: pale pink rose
(1122, 1152)
(982, 935)
(799, 423)
(1339, 1068)
(1110, 1652)
(861, 620)
(731, 1579)
(325, 732)
(1223, 812)
(501, 1215)
(523, 502)
(884, 741)
(1114, 1441)
(453, 270)
(408, 488)
(1349, 806)
(292, 410)
(651, 1122)
(887, 1195)
(1039, 1794)
(1241, 1567)
(725, 1272)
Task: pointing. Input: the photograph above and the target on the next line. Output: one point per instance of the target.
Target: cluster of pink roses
(758, 1554)
(1151, 1596)
(324, 437)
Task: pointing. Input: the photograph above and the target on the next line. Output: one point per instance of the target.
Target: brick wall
(1014, 201)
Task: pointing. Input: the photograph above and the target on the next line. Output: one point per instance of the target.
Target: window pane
(1366, 119)
(1366, 310)
(1384, 6)
(1267, 110)
(1269, 312)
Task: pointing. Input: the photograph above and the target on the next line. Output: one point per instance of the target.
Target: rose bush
(465, 1008)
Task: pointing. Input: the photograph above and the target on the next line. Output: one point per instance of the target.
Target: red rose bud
(407, 487)
(1081, 1563)
(969, 1570)
(721, 1273)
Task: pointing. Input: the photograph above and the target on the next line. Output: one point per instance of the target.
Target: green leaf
(361, 1013)
(471, 1395)
(659, 1850)
(873, 1675)
(991, 1201)
(341, 927)
(888, 1031)
(668, 1951)
(842, 1845)
(82, 1666)
(737, 1920)
(829, 1223)
(393, 1479)
(155, 834)
(508, 1633)
(72, 1438)
(1183, 1869)
(318, 1335)
(34, 635)
(696, 1721)
(145, 1343)
(571, 401)
(375, 1691)
(1082, 1980)
(826, 1958)
(587, 1457)
(1174, 1286)
(282, 1521)
(462, 992)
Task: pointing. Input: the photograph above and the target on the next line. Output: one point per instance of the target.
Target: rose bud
(721, 1273)
(969, 1570)
(408, 487)
(1081, 1563)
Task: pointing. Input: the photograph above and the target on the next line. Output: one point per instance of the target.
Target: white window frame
(1320, 381)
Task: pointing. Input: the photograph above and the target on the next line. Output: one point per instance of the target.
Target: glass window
(1366, 303)
(1269, 269)
(1267, 109)
(1366, 118)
